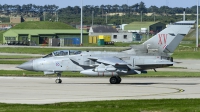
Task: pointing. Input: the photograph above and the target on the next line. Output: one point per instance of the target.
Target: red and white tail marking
(162, 40)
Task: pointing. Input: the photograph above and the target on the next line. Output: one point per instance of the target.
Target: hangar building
(40, 36)
(144, 27)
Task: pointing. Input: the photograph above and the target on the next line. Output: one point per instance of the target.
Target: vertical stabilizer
(168, 39)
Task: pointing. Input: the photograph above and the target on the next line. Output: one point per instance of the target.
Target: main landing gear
(115, 80)
(58, 80)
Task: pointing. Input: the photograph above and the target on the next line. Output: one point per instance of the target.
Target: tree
(109, 8)
(153, 9)
(142, 7)
(125, 8)
(116, 8)
(102, 10)
(77, 10)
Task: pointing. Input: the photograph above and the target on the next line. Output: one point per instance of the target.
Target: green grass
(28, 50)
(77, 74)
(42, 25)
(186, 51)
(17, 57)
(12, 61)
(186, 55)
(162, 105)
(1, 36)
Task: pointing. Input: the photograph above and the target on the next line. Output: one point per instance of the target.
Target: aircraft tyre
(115, 80)
(58, 81)
(119, 80)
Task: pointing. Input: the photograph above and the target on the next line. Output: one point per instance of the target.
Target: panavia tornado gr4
(153, 53)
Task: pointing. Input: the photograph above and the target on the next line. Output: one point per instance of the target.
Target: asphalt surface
(26, 90)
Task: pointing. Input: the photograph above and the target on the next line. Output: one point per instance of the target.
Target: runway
(36, 90)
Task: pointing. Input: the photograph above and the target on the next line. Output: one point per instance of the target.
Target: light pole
(57, 16)
(106, 18)
(44, 15)
(184, 14)
(92, 17)
(81, 22)
(197, 29)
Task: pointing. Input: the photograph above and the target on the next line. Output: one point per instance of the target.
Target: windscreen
(74, 52)
(47, 56)
(61, 53)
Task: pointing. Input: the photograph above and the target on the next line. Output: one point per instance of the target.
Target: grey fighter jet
(153, 53)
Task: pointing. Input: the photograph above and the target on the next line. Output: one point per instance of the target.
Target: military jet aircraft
(153, 53)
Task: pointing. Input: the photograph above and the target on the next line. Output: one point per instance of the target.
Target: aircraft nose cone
(26, 66)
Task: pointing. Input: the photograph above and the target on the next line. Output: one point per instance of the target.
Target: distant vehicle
(8, 27)
(153, 53)
(5, 28)
(137, 37)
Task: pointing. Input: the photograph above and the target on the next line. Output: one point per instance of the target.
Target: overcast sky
(65, 3)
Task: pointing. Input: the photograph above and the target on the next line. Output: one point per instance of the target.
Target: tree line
(120, 13)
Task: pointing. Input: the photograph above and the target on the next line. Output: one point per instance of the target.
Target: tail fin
(168, 39)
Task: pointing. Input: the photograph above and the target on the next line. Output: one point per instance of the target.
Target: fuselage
(82, 62)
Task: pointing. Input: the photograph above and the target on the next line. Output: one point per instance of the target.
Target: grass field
(163, 105)
(1, 35)
(12, 61)
(17, 57)
(42, 25)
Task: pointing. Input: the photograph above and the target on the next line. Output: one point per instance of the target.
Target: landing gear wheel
(58, 81)
(115, 80)
(119, 80)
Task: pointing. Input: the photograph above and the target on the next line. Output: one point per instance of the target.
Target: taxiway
(29, 90)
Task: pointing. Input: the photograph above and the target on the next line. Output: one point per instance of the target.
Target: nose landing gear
(58, 80)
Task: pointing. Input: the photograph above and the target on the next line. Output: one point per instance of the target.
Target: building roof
(104, 29)
(139, 25)
(36, 32)
(16, 17)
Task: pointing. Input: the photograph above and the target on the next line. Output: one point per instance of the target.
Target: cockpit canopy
(63, 53)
